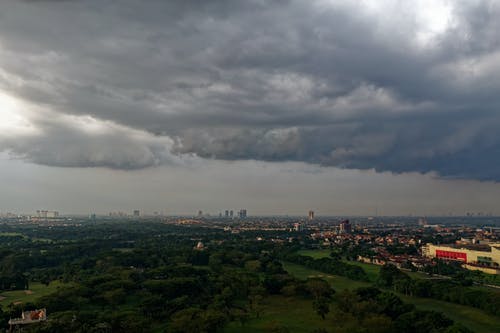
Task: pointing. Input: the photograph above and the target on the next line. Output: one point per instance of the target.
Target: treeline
(371, 310)
(445, 290)
(329, 266)
(15, 281)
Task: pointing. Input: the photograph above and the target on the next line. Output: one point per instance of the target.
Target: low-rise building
(473, 256)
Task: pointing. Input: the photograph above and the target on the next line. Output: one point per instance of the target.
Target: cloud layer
(387, 85)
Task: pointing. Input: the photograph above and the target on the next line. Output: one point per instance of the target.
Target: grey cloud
(86, 142)
(329, 83)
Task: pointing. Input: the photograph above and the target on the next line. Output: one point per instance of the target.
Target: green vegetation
(316, 254)
(329, 266)
(453, 290)
(12, 234)
(475, 319)
(296, 314)
(35, 291)
(371, 270)
(337, 282)
(147, 277)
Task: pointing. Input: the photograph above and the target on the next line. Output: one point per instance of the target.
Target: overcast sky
(344, 107)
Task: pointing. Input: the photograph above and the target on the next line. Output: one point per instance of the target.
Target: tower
(345, 227)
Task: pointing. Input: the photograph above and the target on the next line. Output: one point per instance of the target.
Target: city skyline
(339, 107)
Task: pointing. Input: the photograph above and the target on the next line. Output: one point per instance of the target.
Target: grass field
(297, 315)
(370, 269)
(36, 290)
(338, 282)
(12, 234)
(316, 254)
(277, 311)
(475, 319)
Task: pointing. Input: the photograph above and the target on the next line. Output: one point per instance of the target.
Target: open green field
(297, 315)
(371, 269)
(36, 290)
(338, 282)
(278, 311)
(12, 234)
(124, 249)
(316, 254)
(475, 319)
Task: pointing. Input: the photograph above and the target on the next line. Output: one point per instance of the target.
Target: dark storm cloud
(327, 82)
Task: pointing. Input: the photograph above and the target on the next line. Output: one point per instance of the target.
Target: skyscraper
(345, 227)
(311, 215)
(137, 213)
(47, 214)
(242, 213)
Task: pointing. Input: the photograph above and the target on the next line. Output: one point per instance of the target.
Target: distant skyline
(261, 188)
(342, 107)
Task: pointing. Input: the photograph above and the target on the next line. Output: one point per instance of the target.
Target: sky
(343, 107)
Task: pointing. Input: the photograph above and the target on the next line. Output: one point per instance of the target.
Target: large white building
(47, 214)
(484, 257)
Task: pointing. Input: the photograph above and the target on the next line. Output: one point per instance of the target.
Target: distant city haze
(261, 188)
(341, 107)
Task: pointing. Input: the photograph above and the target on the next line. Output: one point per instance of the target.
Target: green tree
(321, 306)
(319, 288)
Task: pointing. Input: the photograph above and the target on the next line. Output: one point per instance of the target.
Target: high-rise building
(345, 227)
(231, 213)
(311, 215)
(47, 214)
(137, 213)
(242, 213)
(200, 213)
(226, 213)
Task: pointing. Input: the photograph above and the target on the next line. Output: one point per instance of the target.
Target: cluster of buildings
(47, 214)
(28, 317)
(476, 248)
(402, 244)
(118, 214)
(229, 214)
